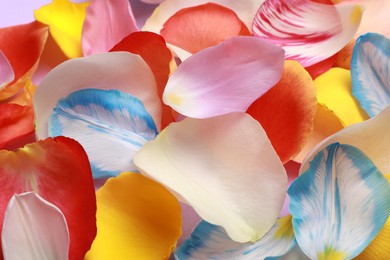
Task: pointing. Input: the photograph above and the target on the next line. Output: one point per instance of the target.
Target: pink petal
(6, 72)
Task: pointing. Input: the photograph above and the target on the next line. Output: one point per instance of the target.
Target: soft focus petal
(224, 78)
(122, 71)
(196, 28)
(65, 19)
(111, 126)
(197, 159)
(6, 71)
(339, 204)
(107, 22)
(309, 32)
(334, 91)
(286, 111)
(137, 218)
(211, 242)
(58, 170)
(34, 229)
(152, 1)
(370, 72)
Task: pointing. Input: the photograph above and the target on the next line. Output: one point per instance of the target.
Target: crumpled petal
(58, 170)
(137, 218)
(6, 71)
(370, 72)
(224, 78)
(65, 19)
(120, 70)
(106, 23)
(286, 111)
(211, 242)
(339, 204)
(197, 160)
(34, 229)
(110, 125)
(309, 32)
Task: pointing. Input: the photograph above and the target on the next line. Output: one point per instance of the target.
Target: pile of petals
(218, 129)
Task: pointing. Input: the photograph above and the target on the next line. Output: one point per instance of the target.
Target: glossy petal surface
(34, 229)
(201, 87)
(308, 31)
(137, 218)
(339, 204)
(6, 71)
(370, 72)
(197, 160)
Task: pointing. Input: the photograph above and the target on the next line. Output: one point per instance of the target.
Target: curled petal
(6, 71)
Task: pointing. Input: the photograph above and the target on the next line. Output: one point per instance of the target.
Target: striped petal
(308, 31)
(339, 204)
(211, 242)
(122, 71)
(111, 126)
(197, 160)
(34, 229)
(6, 71)
(202, 87)
(106, 23)
(370, 71)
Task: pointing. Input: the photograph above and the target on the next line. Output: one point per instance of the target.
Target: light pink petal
(309, 32)
(106, 23)
(224, 78)
(6, 72)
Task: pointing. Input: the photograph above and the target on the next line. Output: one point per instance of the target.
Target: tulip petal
(309, 32)
(65, 19)
(286, 111)
(197, 160)
(117, 120)
(58, 170)
(370, 72)
(137, 218)
(224, 78)
(339, 204)
(122, 71)
(106, 23)
(34, 229)
(211, 242)
(6, 71)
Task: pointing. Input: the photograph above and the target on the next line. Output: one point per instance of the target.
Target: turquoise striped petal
(211, 242)
(370, 72)
(111, 126)
(339, 204)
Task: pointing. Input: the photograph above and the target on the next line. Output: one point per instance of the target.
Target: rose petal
(6, 71)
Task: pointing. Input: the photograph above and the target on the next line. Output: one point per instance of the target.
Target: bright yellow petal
(137, 218)
(65, 19)
(334, 91)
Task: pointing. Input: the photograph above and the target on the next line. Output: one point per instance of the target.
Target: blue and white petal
(211, 242)
(370, 71)
(339, 204)
(111, 126)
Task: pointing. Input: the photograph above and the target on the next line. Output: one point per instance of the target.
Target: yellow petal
(137, 218)
(65, 19)
(334, 91)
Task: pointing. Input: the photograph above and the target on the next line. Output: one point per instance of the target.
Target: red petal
(58, 170)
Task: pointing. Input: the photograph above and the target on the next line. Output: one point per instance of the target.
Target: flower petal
(122, 71)
(211, 242)
(339, 204)
(118, 120)
(6, 71)
(224, 78)
(197, 160)
(309, 32)
(65, 19)
(34, 229)
(137, 218)
(370, 72)
(286, 111)
(58, 170)
(106, 23)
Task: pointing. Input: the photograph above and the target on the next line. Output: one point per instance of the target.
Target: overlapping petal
(308, 31)
(339, 204)
(7, 74)
(137, 218)
(224, 78)
(198, 160)
(34, 228)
